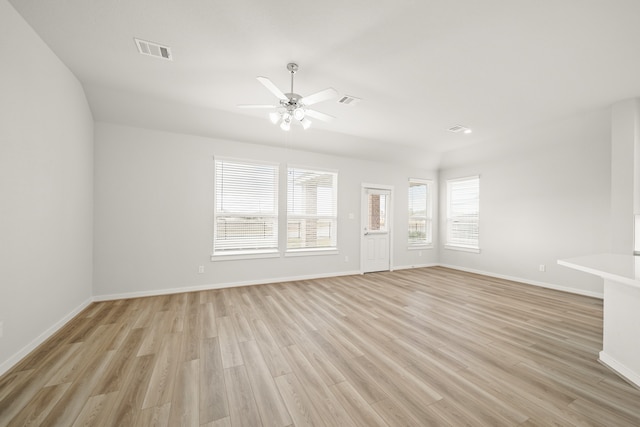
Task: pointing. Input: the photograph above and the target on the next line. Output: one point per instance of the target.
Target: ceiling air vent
(154, 49)
(459, 128)
(348, 100)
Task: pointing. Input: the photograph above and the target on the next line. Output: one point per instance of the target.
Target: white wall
(625, 149)
(46, 190)
(545, 198)
(154, 211)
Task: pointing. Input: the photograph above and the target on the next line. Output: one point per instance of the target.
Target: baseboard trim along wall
(619, 368)
(526, 281)
(408, 267)
(220, 286)
(13, 360)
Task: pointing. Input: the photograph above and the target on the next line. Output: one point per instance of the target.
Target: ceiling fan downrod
(292, 67)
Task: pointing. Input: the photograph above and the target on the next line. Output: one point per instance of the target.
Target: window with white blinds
(246, 207)
(420, 218)
(312, 197)
(463, 213)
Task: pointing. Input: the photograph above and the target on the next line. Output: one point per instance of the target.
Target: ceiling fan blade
(323, 95)
(255, 106)
(318, 115)
(272, 88)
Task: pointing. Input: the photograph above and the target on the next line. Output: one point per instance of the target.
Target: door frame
(363, 206)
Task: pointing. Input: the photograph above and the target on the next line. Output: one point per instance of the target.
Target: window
(246, 207)
(312, 221)
(463, 203)
(378, 211)
(420, 220)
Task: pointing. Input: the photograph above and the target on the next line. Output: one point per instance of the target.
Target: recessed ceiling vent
(459, 128)
(349, 100)
(154, 49)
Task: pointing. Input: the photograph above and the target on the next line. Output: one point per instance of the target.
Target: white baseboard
(13, 360)
(527, 281)
(620, 369)
(408, 267)
(220, 286)
(157, 292)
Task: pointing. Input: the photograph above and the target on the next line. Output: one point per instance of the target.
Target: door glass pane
(378, 212)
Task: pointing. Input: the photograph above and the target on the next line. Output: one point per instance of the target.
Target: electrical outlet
(542, 268)
(419, 253)
(1, 329)
(346, 258)
(201, 269)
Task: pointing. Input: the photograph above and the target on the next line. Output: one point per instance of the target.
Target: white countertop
(621, 268)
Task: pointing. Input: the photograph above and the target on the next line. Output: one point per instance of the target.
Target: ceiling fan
(293, 106)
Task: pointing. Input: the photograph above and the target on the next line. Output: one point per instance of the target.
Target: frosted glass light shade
(274, 117)
(298, 114)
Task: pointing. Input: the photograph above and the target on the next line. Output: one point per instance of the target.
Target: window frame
(428, 217)
(315, 250)
(455, 245)
(232, 254)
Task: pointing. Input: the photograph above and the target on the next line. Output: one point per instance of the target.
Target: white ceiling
(420, 66)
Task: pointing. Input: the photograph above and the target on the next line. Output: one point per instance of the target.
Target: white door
(376, 233)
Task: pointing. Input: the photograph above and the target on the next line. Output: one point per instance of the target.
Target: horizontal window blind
(246, 207)
(463, 212)
(312, 220)
(420, 217)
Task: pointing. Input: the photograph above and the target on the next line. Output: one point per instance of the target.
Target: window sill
(311, 252)
(244, 255)
(462, 249)
(419, 247)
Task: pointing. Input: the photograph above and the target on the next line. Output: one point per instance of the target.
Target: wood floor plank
(73, 400)
(155, 416)
(128, 403)
(270, 405)
(190, 349)
(19, 396)
(321, 397)
(186, 396)
(214, 404)
(300, 406)
(229, 348)
(359, 377)
(223, 422)
(427, 346)
(40, 406)
(13, 380)
(208, 322)
(271, 352)
(153, 336)
(116, 371)
(395, 415)
(94, 411)
(241, 325)
(362, 414)
(242, 405)
(317, 357)
(160, 388)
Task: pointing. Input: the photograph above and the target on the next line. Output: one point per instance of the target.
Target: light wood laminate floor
(419, 347)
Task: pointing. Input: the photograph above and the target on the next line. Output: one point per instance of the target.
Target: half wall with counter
(621, 317)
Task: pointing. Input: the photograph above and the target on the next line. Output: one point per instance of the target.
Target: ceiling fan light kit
(293, 107)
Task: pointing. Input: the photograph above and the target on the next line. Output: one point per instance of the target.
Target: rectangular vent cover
(457, 128)
(349, 100)
(154, 49)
